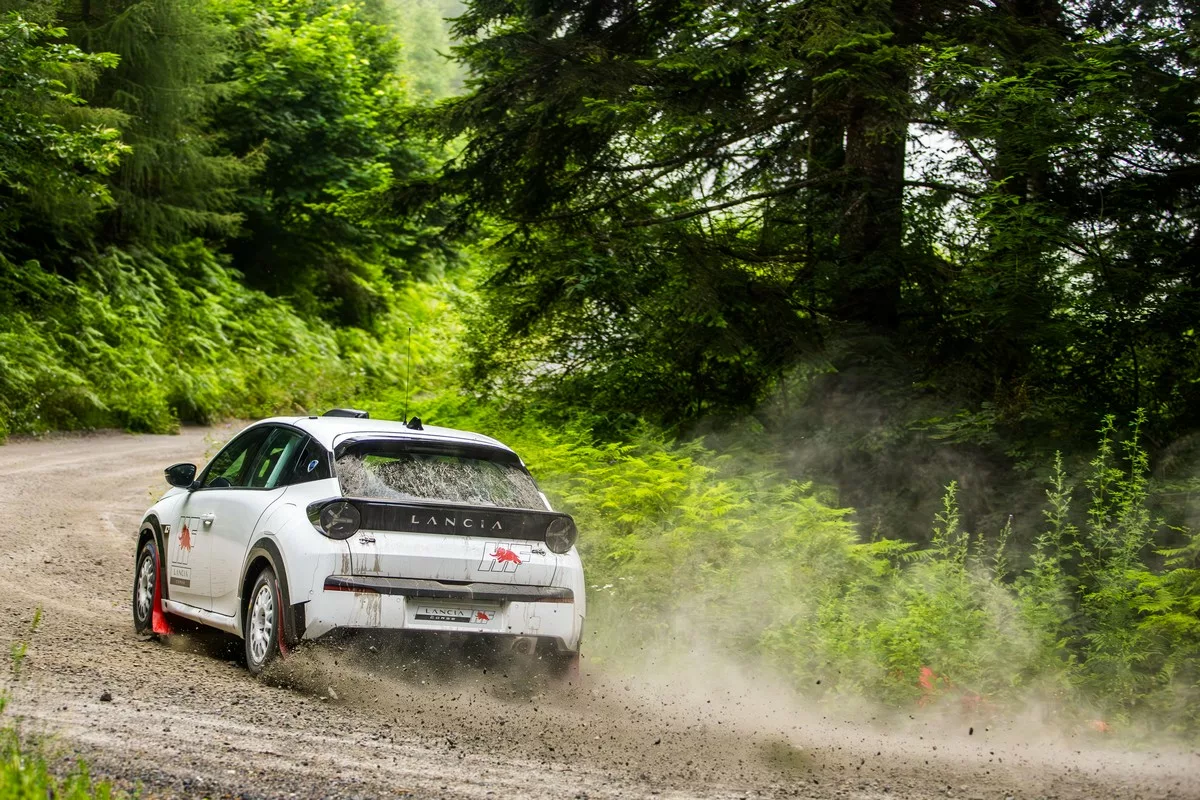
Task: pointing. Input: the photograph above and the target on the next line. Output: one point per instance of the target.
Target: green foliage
(684, 213)
(726, 553)
(421, 26)
(53, 154)
(316, 97)
(141, 340)
(25, 774)
(172, 184)
(990, 205)
(279, 121)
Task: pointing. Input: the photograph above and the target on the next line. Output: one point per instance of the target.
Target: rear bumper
(415, 587)
(347, 601)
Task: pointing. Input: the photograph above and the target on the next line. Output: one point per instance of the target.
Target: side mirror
(181, 475)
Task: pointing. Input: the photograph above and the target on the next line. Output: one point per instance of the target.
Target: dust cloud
(687, 716)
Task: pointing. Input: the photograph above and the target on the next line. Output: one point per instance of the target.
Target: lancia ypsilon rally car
(303, 526)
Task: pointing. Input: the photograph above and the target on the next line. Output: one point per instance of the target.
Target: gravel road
(185, 720)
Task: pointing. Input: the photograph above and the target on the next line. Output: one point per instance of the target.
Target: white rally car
(301, 526)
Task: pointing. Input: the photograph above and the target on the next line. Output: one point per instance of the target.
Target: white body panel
(560, 621)
(189, 546)
(226, 518)
(227, 526)
(452, 557)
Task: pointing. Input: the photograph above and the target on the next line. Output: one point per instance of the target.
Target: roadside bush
(723, 552)
(25, 774)
(142, 340)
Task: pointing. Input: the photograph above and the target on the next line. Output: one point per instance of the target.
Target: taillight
(337, 519)
(561, 534)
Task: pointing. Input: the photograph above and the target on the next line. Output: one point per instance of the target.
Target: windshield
(381, 472)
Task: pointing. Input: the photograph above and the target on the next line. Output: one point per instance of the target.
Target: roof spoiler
(352, 413)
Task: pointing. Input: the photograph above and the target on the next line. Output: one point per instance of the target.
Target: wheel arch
(265, 553)
(151, 529)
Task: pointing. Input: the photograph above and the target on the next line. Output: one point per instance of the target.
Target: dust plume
(723, 558)
(684, 717)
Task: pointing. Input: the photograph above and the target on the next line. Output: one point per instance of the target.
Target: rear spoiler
(383, 442)
(450, 519)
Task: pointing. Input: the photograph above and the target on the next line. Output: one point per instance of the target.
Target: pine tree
(54, 150)
(993, 203)
(715, 188)
(175, 183)
(317, 98)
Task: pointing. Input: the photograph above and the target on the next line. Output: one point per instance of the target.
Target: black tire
(261, 622)
(145, 587)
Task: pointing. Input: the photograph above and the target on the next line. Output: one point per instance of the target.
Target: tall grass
(1097, 620)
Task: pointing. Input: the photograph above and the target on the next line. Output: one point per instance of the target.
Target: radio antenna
(408, 377)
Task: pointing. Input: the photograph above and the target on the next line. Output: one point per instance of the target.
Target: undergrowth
(1095, 625)
(142, 340)
(1098, 627)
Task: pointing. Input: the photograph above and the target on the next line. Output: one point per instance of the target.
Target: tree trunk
(872, 225)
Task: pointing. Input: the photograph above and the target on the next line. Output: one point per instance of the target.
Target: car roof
(330, 430)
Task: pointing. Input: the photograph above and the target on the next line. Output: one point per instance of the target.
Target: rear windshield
(381, 472)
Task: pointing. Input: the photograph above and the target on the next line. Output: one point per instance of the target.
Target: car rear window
(391, 471)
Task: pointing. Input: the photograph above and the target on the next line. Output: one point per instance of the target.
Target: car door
(237, 510)
(192, 549)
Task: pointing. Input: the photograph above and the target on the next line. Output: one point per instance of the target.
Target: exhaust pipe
(524, 645)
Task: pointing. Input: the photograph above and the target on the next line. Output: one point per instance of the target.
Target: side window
(274, 458)
(312, 465)
(231, 467)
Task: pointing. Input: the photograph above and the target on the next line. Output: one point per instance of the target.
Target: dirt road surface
(185, 720)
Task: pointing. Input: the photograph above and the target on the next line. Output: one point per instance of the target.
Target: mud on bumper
(487, 609)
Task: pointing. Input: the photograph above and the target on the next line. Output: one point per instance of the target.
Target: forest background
(865, 333)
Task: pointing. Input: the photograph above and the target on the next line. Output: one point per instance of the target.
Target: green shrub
(142, 340)
(25, 774)
(717, 550)
(723, 552)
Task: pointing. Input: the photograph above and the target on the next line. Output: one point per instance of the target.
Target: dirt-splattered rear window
(383, 473)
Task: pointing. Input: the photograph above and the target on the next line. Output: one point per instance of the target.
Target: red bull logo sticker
(503, 557)
(506, 556)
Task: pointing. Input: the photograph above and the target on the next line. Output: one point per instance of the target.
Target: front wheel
(145, 587)
(261, 626)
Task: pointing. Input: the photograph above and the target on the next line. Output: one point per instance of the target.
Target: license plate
(458, 616)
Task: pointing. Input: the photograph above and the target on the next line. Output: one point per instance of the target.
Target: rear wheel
(262, 622)
(145, 587)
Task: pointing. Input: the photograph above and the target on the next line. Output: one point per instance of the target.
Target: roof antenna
(415, 422)
(408, 377)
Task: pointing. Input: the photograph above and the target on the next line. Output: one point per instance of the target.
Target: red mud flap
(283, 648)
(158, 620)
